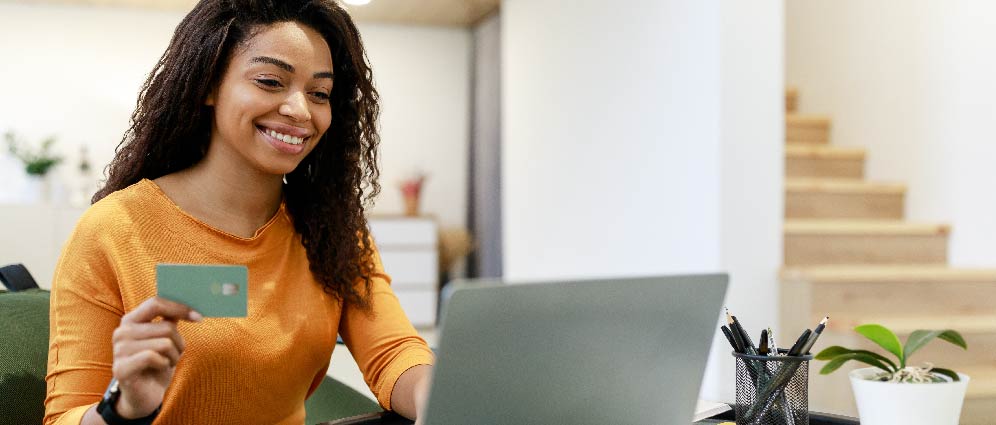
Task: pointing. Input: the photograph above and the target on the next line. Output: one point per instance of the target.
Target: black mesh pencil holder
(772, 390)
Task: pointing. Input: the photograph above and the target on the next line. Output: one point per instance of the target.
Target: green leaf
(839, 361)
(830, 352)
(921, 337)
(880, 358)
(946, 372)
(953, 337)
(884, 338)
(917, 340)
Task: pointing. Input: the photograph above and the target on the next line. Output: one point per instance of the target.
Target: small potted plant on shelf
(894, 392)
(37, 163)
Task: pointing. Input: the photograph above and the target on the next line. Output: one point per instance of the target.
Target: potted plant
(411, 190)
(38, 163)
(894, 392)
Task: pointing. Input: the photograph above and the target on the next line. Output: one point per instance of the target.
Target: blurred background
(834, 157)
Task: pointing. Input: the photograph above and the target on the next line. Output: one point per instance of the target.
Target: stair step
(843, 198)
(824, 161)
(853, 291)
(864, 227)
(791, 99)
(904, 274)
(965, 324)
(978, 411)
(826, 242)
(807, 129)
(980, 398)
(983, 381)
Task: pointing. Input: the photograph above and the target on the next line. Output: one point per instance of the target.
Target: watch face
(110, 396)
(111, 389)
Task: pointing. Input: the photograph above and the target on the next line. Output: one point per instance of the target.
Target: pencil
(737, 336)
(814, 336)
(729, 337)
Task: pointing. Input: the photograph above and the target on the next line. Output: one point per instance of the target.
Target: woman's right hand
(146, 352)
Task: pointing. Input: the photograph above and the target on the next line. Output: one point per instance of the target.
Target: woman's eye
(321, 96)
(268, 82)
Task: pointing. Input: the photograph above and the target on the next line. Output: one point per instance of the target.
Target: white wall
(646, 139)
(610, 138)
(752, 158)
(423, 75)
(75, 72)
(912, 81)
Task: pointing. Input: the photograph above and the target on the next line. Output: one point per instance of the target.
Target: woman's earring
(285, 179)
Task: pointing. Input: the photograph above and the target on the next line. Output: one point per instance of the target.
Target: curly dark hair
(171, 129)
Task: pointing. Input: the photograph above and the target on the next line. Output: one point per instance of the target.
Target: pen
(799, 343)
(748, 343)
(738, 329)
(762, 349)
(771, 342)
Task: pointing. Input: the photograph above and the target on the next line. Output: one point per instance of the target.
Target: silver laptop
(612, 351)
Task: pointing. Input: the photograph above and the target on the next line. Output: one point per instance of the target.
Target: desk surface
(385, 418)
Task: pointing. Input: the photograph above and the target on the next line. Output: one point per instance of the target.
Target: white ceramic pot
(885, 403)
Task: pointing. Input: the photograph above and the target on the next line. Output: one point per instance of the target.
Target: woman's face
(272, 105)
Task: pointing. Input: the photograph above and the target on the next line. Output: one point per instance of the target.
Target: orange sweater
(253, 370)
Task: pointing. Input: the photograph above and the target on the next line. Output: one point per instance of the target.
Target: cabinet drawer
(419, 306)
(411, 269)
(403, 232)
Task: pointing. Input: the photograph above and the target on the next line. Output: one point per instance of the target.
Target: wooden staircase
(850, 254)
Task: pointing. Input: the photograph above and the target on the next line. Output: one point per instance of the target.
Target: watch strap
(108, 411)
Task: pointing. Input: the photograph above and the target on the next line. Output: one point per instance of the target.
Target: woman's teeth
(285, 138)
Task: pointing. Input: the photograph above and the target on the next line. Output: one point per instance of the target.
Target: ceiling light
(357, 2)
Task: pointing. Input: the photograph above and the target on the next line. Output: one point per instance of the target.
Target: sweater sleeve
(383, 341)
(85, 308)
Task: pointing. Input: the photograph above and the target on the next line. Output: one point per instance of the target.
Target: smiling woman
(254, 143)
(276, 90)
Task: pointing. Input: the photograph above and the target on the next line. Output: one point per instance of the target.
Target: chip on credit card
(211, 290)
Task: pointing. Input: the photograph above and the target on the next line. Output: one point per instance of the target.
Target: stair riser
(807, 134)
(837, 205)
(804, 304)
(978, 411)
(851, 299)
(825, 168)
(806, 249)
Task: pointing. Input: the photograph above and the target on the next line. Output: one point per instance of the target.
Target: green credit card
(211, 290)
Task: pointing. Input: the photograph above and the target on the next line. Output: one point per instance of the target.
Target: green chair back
(24, 361)
(335, 400)
(23, 356)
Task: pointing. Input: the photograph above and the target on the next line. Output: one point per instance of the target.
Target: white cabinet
(408, 249)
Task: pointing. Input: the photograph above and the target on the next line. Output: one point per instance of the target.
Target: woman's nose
(295, 107)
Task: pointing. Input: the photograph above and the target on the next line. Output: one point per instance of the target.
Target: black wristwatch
(107, 410)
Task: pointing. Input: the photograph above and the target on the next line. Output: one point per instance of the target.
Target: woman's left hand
(422, 395)
(411, 393)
